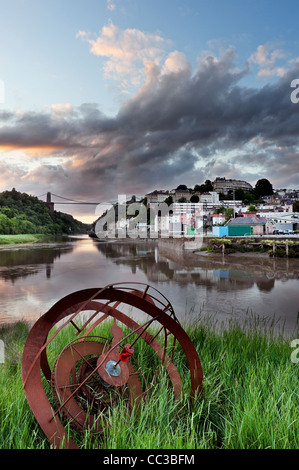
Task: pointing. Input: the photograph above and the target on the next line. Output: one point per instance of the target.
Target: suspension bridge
(65, 200)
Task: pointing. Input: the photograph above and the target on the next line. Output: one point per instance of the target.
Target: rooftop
(247, 221)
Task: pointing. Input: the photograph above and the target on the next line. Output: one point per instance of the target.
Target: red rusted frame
(35, 359)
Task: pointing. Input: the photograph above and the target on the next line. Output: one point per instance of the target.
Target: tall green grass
(19, 239)
(250, 398)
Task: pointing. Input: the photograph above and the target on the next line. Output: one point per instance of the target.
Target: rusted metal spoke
(144, 329)
(96, 369)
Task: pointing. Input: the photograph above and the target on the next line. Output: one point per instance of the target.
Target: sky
(106, 97)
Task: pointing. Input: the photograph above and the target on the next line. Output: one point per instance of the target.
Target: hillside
(21, 213)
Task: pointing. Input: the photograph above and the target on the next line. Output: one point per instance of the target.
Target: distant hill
(21, 213)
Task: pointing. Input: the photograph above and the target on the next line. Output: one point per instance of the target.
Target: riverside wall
(182, 243)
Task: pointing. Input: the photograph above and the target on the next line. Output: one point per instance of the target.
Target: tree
(169, 200)
(219, 210)
(263, 187)
(21, 213)
(5, 224)
(296, 206)
(182, 186)
(229, 212)
(203, 188)
(209, 185)
(194, 198)
(252, 208)
(8, 212)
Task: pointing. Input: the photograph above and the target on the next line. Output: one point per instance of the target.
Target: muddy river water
(224, 287)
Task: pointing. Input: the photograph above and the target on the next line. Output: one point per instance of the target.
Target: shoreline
(33, 240)
(28, 240)
(246, 254)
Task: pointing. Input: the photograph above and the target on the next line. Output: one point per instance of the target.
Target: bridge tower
(50, 204)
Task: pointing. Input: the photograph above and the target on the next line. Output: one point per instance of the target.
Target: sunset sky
(106, 97)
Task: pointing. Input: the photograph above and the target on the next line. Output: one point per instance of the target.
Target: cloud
(181, 125)
(62, 109)
(111, 5)
(176, 62)
(126, 52)
(266, 60)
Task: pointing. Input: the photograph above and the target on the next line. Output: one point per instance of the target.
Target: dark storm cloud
(174, 122)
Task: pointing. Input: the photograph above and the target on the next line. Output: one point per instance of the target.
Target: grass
(243, 245)
(250, 398)
(17, 239)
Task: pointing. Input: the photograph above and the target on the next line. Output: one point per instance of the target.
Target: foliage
(263, 187)
(229, 212)
(219, 210)
(21, 214)
(250, 398)
(248, 197)
(169, 200)
(296, 206)
(204, 188)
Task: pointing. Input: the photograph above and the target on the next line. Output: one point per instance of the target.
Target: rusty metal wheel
(97, 348)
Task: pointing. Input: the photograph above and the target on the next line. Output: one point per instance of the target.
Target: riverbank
(250, 398)
(33, 239)
(286, 248)
(22, 239)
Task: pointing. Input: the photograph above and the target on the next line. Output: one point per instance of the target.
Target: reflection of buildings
(160, 264)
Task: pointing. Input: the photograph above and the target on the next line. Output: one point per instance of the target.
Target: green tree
(209, 185)
(219, 210)
(229, 212)
(5, 224)
(194, 198)
(203, 188)
(263, 187)
(8, 212)
(21, 213)
(169, 200)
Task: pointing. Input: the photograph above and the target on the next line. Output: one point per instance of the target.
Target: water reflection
(217, 271)
(21, 262)
(33, 278)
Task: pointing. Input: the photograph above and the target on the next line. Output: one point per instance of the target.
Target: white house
(218, 219)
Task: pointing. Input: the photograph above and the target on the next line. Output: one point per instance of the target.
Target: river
(224, 287)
